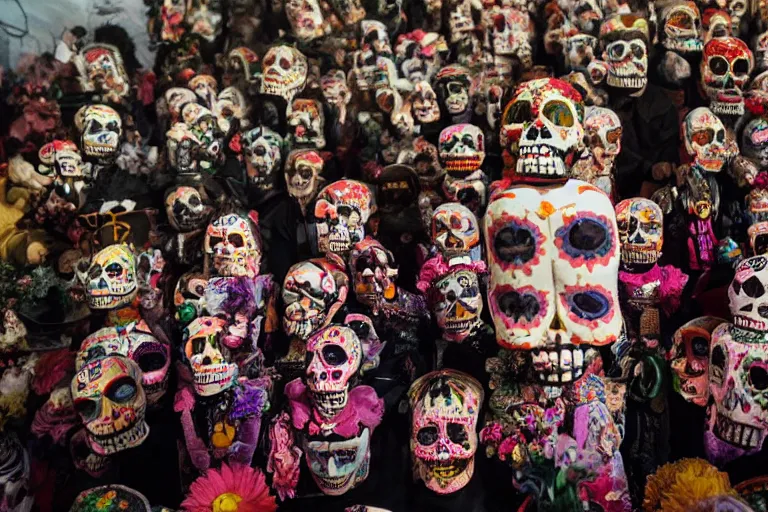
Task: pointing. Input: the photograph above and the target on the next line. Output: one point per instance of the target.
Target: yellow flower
(103, 503)
(678, 486)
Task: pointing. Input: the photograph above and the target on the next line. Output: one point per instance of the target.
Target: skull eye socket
(519, 113)
(638, 50)
(718, 365)
(85, 408)
(741, 66)
(758, 377)
(151, 361)
(194, 201)
(613, 136)
(518, 306)
(114, 269)
(214, 241)
(334, 355)
(236, 239)
(588, 236)
(703, 137)
(559, 113)
(457, 433)
(285, 64)
(95, 127)
(515, 244)
(122, 390)
(718, 65)
(700, 346)
(427, 436)
(589, 304)
(616, 50)
(269, 60)
(752, 287)
(94, 272)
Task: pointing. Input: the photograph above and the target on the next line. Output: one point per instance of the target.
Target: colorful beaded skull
(342, 209)
(641, 231)
(100, 129)
(461, 149)
(707, 141)
(108, 396)
(455, 232)
(111, 279)
(625, 49)
(725, 68)
(445, 405)
(232, 246)
(689, 358)
(542, 126)
(212, 369)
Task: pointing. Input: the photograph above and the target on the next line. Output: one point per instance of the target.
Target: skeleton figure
(624, 40)
(212, 367)
(306, 122)
(101, 70)
(725, 68)
(262, 149)
(689, 358)
(452, 84)
(707, 140)
(233, 247)
(108, 395)
(100, 130)
(682, 32)
(736, 423)
(284, 72)
(111, 279)
(341, 210)
(302, 175)
(306, 19)
(603, 135)
(445, 405)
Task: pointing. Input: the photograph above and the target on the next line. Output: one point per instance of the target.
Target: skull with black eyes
(553, 256)
(262, 149)
(111, 279)
(625, 49)
(232, 246)
(212, 367)
(285, 72)
(424, 103)
(306, 122)
(373, 273)
(682, 27)
(725, 69)
(185, 209)
(689, 358)
(461, 149)
(455, 232)
(640, 231)
(707, 141)
(452, 84)
(302, 175)
(100, 129)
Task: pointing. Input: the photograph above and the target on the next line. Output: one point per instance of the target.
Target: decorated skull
(232, 105)
(445, 405)
(313, 291)
(725, 68)
(542, 125)
(624, 40)
(373, 273)
(206, 87)
(232, 246)
(306, 123)
(641, 232)
(285, 72)
(424, 103)
(455, 232)
(212, 367)
(182, 148)
(682, 27)
(302, 174)
(242, 68)
(208, 133)
(754, 141)
(306, 19)
(554, 259)
(453, 83)
(100, 129)
(419, 55)
(186, 209)
(101, 69)
(603, 131)
(579, 50)
(456, 301)
(137, 344)
(336, 91)
(341, 210)
(175, 99)
(461, 149)
(707, 141)
(339, 465)
(262, 149)
(737, 9)
(689, 358)
(111, 279)
(510, 34)
(108, 395)
(761, 51)
(334, 356)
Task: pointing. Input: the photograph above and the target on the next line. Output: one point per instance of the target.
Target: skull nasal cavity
(587, 235)
(517, 306)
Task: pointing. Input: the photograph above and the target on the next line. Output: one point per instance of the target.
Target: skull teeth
(748, 323)
(538, 161)
(615, 79)
(113, 443)
(558, 364)
(728, 109)
(738, 434)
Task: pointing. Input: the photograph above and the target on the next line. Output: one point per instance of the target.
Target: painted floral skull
(233, 247)
(101, 69)
(341, 210)
(707, 140)
(373, 272)
(553, 256)
(306, 123)
(334, 357)
(455, 232)
(445, 405)
(100, 129)
(262, 149)
(108, 395)
(603, 131)
(284, 72)
(641, 231)
(682, 27)
(725, 68)
(313, 291)
(461, 149)
(542, 125)
(111, 279)
(212, 368)
(625, 49)
(689, 358)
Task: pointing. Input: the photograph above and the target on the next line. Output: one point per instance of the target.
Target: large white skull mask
(285, 72)
(553, 256)
(111, 280)
(542, 126)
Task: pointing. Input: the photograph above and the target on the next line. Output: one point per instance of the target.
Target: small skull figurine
(185, 209)
(579, 50)
(445, 406)
(334, 357)
(455, 232)
(707, 140)
(725, 69)
(461, 149)
(738, 367)
(341, 210)
(100, 129)
(111, 279)
(284, 72)
(306, 123)
(208, 357)
(233, 246)
(641, 232)
(682, 28)
(306, 19)
(263, 152)
(302, 175)
(108, 396)
(424, 104)
(313, 291)
(373, 273)
(689, 358)
(754, 141)
(453, 84)
(101, 69)
(625, 41)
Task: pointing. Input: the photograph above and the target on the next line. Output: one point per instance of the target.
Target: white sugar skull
(111, 280)
(754, 141)
(341, 210)
(625, 49)
(285, 72)
(542, 126)
(707, 141)
(137, 344)
(725, 69)
(553, 256)
(338, 466)
(455, 232)
(100, 129)
(306, 19)
(682, 27)
(212, 368)
(306, 123)
(334, 356)
(313, 291)
(461, 149)
(689, 358)
(108, 395)
(262, 149)
(445, 405)
(232, 246)
(424, 103)
(457, 303)
(511, 33)
(641, 231)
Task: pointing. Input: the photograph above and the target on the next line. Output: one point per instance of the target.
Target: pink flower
(236, 487)
(491, 433)
(507, 446)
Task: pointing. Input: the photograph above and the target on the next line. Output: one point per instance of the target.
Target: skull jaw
(214, 378)
(333, 484)
(446, 477)
(558, 363)
(330, 403)
(116, 442)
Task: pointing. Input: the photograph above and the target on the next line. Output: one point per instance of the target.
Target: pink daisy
(235, 488)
